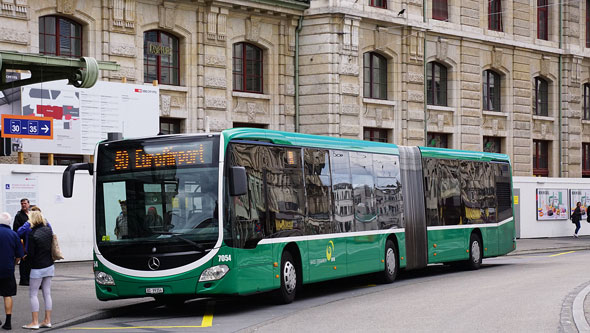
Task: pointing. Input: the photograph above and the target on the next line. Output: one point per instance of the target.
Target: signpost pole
(50, 159)
(21, 157)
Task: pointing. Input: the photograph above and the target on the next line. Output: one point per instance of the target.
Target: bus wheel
(286, 293)
(475, 253)
(390, 272)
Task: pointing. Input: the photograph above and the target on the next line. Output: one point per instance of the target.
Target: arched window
(247, 68)
(375, 75)
(161, 59)
(436, 84)
(541, 105)
(60, 36)
(491, 91)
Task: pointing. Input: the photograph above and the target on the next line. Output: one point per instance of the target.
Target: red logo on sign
(138, 90)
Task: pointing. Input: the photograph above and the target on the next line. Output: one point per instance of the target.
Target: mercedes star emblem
(154, 263)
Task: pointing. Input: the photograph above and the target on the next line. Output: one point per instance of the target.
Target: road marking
(555, 255)
(206, 322)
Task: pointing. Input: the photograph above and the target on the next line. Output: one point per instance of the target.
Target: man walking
(21, 218)
(11, 251)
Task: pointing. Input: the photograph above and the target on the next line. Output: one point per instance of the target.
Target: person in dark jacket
(21, 217)
(42, 268)
(11, 251)
(576, 217)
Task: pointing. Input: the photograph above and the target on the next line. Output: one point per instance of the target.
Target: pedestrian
(42, 268)
(576, 216)
(21, 217)
(24, 231)
(11, 251)
(121, 226)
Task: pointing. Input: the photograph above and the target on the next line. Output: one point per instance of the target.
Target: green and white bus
(251, 210)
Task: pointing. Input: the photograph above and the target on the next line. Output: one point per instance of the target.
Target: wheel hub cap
(390, 261)
(475, 253)
(290, 277)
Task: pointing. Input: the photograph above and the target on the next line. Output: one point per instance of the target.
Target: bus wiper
(178, 235)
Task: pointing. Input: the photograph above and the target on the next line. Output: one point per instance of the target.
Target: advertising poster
(582, 196)
(83, 117)
(17, 187)
(552, 205)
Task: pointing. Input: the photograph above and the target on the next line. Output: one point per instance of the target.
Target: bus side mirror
(237, 181)
(67, 181)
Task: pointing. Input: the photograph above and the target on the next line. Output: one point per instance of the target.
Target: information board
(83, 117)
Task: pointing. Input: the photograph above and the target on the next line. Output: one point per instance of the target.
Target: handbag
(55, 250)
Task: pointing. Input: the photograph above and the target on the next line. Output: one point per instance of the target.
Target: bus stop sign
(27, 127)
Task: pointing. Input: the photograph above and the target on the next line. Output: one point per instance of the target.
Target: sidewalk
(75, 302)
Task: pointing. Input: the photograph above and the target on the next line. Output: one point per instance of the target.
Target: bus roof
(309, 140)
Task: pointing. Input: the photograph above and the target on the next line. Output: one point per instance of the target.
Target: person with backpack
(576, 217)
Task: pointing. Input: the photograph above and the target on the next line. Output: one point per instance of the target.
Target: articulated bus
(251, 210)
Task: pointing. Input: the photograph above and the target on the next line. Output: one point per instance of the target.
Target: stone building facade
(495, 75)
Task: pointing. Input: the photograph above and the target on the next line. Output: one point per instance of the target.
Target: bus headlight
(103, 278)
(214, 273)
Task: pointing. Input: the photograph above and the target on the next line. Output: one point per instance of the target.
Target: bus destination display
(150, 157)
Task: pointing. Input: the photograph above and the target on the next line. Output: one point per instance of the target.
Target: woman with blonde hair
(42, 268)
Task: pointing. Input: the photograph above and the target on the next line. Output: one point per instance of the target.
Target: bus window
(115, 218)
(431, 190)
(342, 189)
(503, 190)
(388, 191)
(318, 192)
(285, 193)
(471, 192)
(365, 215)
(450, 193)
(248, 211)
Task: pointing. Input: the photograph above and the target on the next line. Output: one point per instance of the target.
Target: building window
(161, 58)
(492, 144)
(247, 68)
(495, 15)
(586, 160)
(542, 19)
(440, 10)
(59, 159)
(541, 105)
(60, 36)
(438, 140)
(540, 158)
(169, 126)
(491, 91)
(375, 134)
(378, 3)
(586, 101)
(375, 75)
(437, 84)
(250, 125)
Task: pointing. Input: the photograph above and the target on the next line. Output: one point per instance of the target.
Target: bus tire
(391, 263)
(288, 275)
(475, 252)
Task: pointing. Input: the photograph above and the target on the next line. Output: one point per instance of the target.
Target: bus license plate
(154, 290)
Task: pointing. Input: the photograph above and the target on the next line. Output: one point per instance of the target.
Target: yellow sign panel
(516, 199)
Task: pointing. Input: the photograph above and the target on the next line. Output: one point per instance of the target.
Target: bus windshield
(163, 191)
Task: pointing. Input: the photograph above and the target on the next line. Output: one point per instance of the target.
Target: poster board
(552, 204)
(582, 196)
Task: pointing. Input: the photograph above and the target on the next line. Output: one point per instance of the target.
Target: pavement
(75, 301)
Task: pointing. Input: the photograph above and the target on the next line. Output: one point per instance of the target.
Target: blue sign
(28, 127)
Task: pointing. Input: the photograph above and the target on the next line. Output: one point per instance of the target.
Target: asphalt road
(511, 293)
